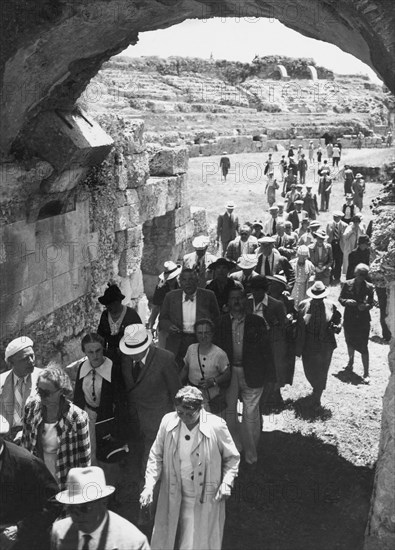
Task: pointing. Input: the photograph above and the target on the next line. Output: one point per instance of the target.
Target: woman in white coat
(196, 460)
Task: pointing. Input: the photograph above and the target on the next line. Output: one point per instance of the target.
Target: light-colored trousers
(245, 435)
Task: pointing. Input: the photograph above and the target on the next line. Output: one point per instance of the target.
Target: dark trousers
(337, 260)
(382, 298)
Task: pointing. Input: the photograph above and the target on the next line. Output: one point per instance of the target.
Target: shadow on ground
(303, 496)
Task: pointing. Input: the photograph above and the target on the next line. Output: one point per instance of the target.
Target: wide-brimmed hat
(230, 264)
(338, 213)
(277, 279)
(258, 223)
(299, 185)
(280, 204)
(136, 339)
(247, 261)
(18, 344)
(359, 175)
(230, 205)
(201, 242)
(4, 425)
(298, 201)
(309, 186)
(320, 233)
(273, 208)
(363, 239)
(224, 152)
(85, 485)
(318, 290)
(314, 224)
(266, 240)
(171, 270)
(111, 294)
(357, 217)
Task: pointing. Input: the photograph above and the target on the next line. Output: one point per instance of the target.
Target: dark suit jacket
(25, 487)
(280, 263)
(117, 534)
(112, 342)
(257, 356)
(151, 396)
(171, 313)
(275, 316)
(294, 218)
(227, 227)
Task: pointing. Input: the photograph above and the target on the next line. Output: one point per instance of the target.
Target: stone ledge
(169, 162)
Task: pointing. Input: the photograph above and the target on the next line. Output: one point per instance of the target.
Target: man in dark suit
(296, 216)
(227, 227)
(245, 339)
(200, 259)
(245, 243)
(271, 262)
(335, 231)
(151, 380)
(181, 309)
(89, 525)
(25, 487)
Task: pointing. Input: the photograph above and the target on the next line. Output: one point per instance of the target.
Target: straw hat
(201, 242)
(318, 290)
(247, 261)
(18, 344)
(321, 234)
(136, 339)
(278, 279)
(171, 270)
(85, 485)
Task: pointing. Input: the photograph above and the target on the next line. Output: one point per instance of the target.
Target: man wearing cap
(358, 189)
(271, 262)
(284, 243)
(321, 257)
(227, 227)
(181, 309)
(349, 209)
(25, 487)
(168, 280)
(224, 164)
(18, 383)
(245, 243)
(151, 379)
(310, 203)
(89, 524)
(221, 283)
(335, 231)
(270, 226)
(257, 229)
(325, 189)
(200, 259)
(245, 273)
(297, 215)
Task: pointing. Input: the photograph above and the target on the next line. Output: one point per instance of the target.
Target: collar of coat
(203, 424)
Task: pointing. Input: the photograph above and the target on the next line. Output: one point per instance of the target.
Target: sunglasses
(46, 393)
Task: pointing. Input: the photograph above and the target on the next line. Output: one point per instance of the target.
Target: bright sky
(232, 40)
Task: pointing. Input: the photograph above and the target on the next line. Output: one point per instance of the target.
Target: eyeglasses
(46, 393)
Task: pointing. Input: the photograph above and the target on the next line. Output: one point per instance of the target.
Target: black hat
(111, 294)
(222, 261)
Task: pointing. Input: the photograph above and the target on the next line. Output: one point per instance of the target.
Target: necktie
(93, 386)
(136, 370)
(267, 266)
(336, 232)
(18, 403)
(189, 298)
(87, 539)
(279, 241)
(274, 227)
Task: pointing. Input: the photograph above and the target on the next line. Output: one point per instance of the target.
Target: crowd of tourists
(192, 384)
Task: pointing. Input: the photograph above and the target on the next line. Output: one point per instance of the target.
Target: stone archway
(50, 50)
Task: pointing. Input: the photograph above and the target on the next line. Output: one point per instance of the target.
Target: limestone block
(121, 174)
(150, 282)
(70, 286)
(91, 250)
(122, 218)
(137, 169)
(11, 315)
(181, 215)
(184, 232)
(136, 284)
(199, 217)
(128, 238)
(67, 139)
(169, 162)
(131, 140)
(129, 261)
(37, 301)
(65, 180)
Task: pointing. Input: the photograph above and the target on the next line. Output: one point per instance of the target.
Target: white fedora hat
(247, 261)
(318, 290)
(171, 270)
(136, 339)
(201, 242)
(85, 485)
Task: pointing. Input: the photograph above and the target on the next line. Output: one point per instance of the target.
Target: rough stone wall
(380, 532)
(53, 268)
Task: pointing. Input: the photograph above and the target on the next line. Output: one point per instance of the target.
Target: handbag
(217, 403)
(109, 448)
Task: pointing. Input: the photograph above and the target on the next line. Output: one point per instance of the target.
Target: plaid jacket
(74, 449)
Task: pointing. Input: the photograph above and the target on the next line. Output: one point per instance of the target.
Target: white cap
(17, 345)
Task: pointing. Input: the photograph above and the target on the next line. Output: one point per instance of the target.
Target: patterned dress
(303, 272)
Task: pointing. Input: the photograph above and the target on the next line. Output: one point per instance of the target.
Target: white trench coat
(215, 460)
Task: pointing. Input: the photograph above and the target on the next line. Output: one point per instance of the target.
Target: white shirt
(96, 534)
(185, 445)
(104, 371)
(188, 314)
